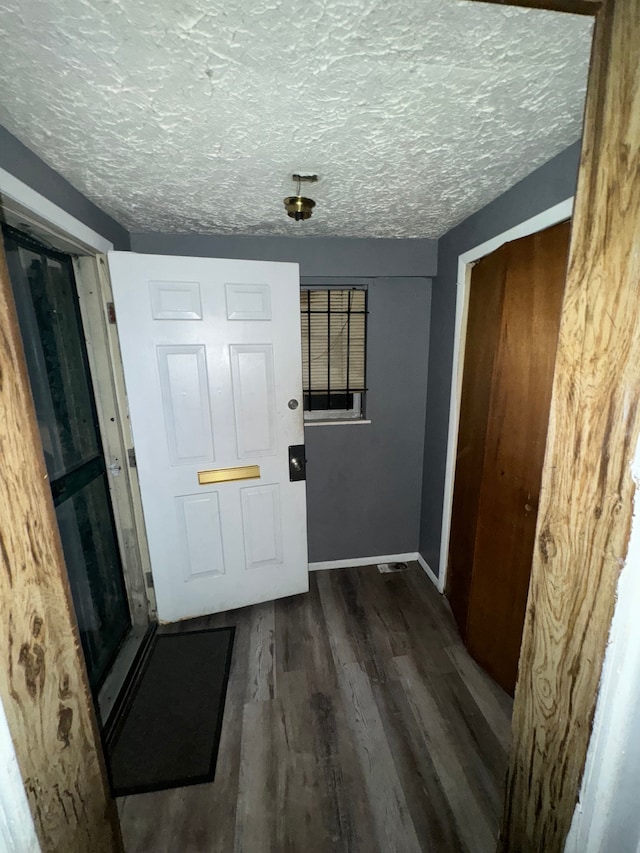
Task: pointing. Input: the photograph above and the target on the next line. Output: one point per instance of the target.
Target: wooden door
(514, 316)
(483, 332)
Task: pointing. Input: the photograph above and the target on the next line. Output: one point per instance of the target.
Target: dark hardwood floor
(355, 721)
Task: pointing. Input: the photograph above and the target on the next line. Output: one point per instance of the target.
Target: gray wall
(317, 256)
(17, 159)
(364, 481)
(548, 185)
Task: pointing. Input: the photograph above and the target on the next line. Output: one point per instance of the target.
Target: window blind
(333, 328)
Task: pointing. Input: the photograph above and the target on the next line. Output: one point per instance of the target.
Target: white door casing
(211, 356)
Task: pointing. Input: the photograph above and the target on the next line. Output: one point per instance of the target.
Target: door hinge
(131, 455)
(111, 313)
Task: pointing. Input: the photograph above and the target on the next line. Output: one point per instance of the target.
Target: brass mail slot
(225, 475)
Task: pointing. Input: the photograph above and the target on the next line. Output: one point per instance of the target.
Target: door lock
(297, 463)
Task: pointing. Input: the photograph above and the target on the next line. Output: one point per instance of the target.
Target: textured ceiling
(191, 115)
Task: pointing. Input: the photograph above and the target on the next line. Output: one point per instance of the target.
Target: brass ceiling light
(298, 207)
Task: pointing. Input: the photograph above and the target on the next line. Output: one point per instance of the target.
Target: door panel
(211, 353)
(200, 530)
(529, 276)
(185, 403)
(248, 301)
(262, 525)
(254, 395)
(175, 300)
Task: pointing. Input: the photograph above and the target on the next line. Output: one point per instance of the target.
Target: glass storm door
(49, 315)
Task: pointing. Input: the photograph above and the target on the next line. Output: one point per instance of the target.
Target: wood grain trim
(587, 490)
(43, 686)
(572, 7)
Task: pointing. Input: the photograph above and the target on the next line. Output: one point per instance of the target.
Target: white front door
(211, 356)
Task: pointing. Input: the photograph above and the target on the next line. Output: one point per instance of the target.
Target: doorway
(514, 309)
(44, 289)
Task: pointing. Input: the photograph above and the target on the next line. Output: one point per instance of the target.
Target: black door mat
(168, 729)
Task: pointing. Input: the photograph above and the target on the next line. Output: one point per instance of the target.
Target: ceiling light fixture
(298, 207)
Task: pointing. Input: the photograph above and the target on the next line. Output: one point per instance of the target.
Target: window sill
(337, 422)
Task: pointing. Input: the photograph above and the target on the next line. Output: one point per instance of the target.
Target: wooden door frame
(587, 495)
(107, 374)
(545, 219)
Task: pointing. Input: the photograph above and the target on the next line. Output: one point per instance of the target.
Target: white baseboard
(373, 561)
(362, 561)
(429, 572)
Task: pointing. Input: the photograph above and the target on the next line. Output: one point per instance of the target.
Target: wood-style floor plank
(261, 655)
(394, 828)
(492, 702)
(425, 797)
(473, 824)
(257, 806)
(355, 722)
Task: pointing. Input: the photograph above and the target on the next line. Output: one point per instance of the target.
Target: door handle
(297, 463)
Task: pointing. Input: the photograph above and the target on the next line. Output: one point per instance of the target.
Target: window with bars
(333, 322)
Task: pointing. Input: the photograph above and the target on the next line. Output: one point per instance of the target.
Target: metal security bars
(333, 323)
